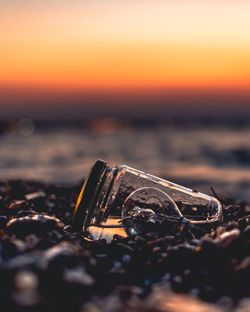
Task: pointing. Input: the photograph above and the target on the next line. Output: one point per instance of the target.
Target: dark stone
(3, 222)
(34, 224)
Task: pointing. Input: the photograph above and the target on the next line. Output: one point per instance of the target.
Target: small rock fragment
(35, 195)
(226, 238)
(78, 275)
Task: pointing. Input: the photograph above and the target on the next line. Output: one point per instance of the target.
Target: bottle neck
(98, 212)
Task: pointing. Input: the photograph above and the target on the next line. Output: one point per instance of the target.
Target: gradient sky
(57, 48)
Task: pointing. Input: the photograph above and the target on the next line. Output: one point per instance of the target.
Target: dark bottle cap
(88, 196)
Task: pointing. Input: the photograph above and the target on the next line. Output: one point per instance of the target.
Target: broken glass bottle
(123, 200)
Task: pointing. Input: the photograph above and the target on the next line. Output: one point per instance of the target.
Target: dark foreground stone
(45, 266)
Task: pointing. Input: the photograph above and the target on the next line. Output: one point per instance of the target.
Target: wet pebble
(35, 196)
(25, 280)
(60, 254)
(17, 205)
(226, 238)
(3, 222)
(78, 275)
(35, 224)
(244, 264)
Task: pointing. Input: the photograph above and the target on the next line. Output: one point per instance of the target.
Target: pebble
(17, 205)
(78, 275)
(226, 238)
(245, 264)
(25, 280)
(35, 224)
(45, 266)
(60, 252)
(3, 222)
(35, 196)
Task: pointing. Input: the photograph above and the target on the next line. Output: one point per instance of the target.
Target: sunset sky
(87, 50)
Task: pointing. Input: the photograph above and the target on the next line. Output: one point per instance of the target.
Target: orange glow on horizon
(113, 45)
(129, 66)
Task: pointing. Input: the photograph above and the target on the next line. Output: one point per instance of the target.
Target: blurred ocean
(197, 156)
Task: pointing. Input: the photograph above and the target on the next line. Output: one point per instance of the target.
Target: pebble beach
(46, 266)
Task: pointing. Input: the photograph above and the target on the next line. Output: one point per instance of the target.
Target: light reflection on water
(197, 157)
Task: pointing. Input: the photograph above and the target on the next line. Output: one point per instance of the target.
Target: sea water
(195, 156)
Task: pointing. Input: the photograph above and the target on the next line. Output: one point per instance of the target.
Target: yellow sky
(128, 43)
